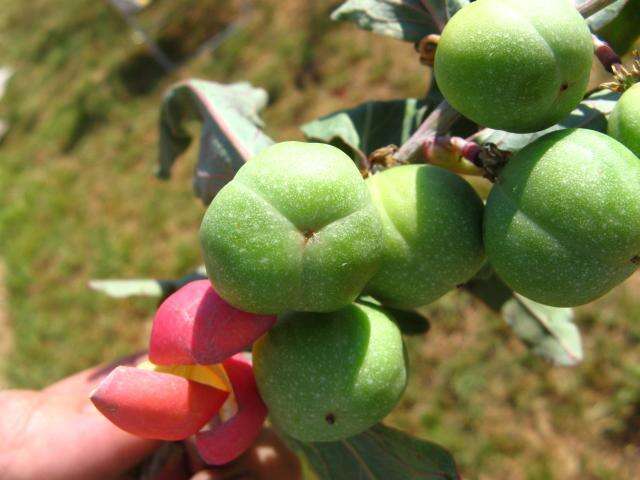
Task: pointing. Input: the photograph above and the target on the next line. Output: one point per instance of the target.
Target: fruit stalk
(438, 122)
(453, 153)
(606, 55)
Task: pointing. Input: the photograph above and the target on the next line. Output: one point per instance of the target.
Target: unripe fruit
(294, 230)
(329, 376)
(562, 222)
(515, 65)
(624, 121)
(432, 223)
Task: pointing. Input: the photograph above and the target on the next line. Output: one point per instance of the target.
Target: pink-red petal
(156, 405)
(195, 325)
(227, 441)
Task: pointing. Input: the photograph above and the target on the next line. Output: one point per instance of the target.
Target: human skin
(562, 222)
(432, 223)
(624, 121)
(329, 376)
(514, 65)
(57, 434)
(294, 230)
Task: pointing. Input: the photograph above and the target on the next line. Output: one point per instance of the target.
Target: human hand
(57, 433)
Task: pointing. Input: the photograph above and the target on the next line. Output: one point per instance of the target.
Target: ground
(79, 201)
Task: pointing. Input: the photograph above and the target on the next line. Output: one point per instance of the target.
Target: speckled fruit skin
(432, 223)
(624, 121)
(294, 230)
(329, 376)
(562, 223)
(515, 65)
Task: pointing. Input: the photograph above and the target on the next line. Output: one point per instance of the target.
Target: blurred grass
(78, 201)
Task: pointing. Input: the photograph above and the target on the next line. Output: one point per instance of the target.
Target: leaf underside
(408, 20)
(144, 287)
(231, 130)
(548, 331)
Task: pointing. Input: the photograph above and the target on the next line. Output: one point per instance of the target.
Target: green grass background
(79, 201)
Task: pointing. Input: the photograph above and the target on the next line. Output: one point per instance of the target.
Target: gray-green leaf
(454, 5)
(604, 16)
(408, 20)
(380, 453)
(361, 130)
(548, 331)
(144, 287)
(591, 113)
(231, 130)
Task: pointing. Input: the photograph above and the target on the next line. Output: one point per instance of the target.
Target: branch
(590, 7)
(437, 123)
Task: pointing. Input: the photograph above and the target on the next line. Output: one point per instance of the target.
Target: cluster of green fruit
(299, 230)
(561, 224)
(300, 234)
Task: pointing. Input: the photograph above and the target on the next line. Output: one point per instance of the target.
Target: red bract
(183, 386)
(227, 441)
(195, 325)
(156, 405)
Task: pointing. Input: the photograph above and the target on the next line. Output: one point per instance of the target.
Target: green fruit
(294, 230)
(515, 65)
(624, 121)
(329, 376)
(432, 223)
(562, 223)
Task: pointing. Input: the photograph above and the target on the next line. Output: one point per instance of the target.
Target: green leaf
(144, 287)
(591, 113)
(604, 16)
(379, 453)
(548, 331)
(489, 288)
(231, 130)
(623, 32)
(408, 20)
(454, 5)
(369, 126)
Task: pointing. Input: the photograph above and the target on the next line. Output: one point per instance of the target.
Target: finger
(55, 436)
(271, 459)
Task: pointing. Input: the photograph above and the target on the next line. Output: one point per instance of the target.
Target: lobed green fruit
(432, 223)
(328, 376)
(624, 121)
(515, 65)
(562, 222)
(294, 230)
